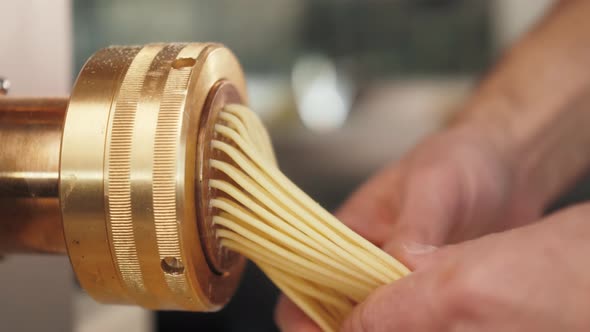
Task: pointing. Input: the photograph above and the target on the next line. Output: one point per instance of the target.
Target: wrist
(534, 106)
(542, 150)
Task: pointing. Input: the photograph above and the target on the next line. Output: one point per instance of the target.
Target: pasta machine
(115, 175)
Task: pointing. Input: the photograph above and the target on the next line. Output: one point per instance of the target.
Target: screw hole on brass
(183, 62)
(172, 265)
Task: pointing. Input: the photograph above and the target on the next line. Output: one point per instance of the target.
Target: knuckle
(363, 319)
(465, 293)
(358, 322)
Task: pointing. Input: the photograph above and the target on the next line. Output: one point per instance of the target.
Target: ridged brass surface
(132, 174)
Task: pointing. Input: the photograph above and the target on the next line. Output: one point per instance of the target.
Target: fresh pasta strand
(318, 262)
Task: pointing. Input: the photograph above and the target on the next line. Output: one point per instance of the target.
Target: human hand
(515, 150)
(453, 187)
(533, 278)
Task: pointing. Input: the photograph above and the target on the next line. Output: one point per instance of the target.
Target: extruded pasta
(320, 264)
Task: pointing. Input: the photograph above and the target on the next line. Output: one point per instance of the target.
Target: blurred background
(345, 87)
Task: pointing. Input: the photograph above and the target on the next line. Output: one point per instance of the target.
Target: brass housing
(132, 185)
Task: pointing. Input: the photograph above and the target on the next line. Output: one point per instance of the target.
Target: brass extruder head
(133, 172)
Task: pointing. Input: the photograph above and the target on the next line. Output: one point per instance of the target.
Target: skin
(464, 209)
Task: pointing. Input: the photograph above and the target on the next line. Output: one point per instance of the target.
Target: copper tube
(30, 140)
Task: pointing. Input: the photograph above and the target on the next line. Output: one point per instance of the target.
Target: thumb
(405, 305)
(410, 248)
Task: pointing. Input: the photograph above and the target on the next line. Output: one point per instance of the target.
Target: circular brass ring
(133, 165)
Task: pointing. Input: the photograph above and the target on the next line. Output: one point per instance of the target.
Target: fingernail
(415, 248)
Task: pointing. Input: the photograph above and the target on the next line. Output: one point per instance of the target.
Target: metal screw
(4, 86)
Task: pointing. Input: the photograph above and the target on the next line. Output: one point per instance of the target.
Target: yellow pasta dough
(320, 264)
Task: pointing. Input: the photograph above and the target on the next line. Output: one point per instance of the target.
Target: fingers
(413, 254)
(289, 318)
(431, 204)
(406, 305)
(371, 210)
(428, 209)
(415, 203)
